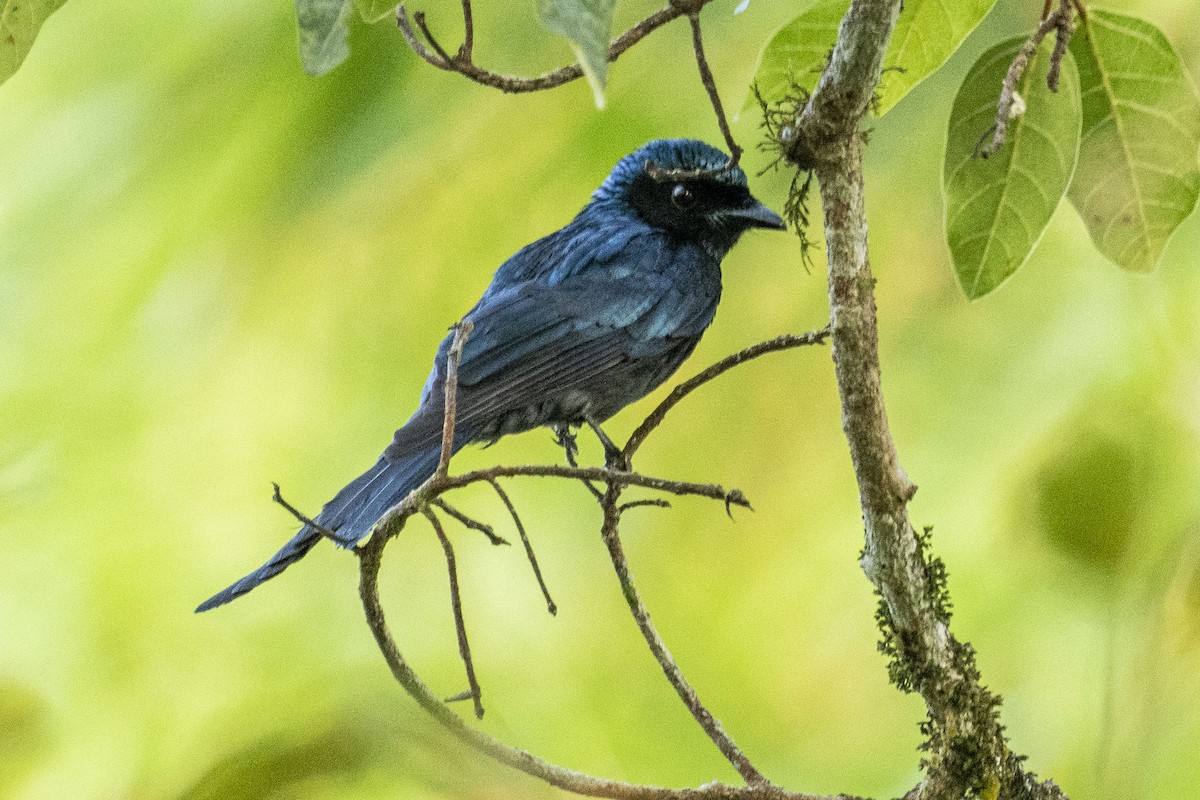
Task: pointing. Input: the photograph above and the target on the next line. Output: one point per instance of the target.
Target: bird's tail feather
(349, 516)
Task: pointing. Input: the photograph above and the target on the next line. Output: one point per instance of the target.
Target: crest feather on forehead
(662, 157)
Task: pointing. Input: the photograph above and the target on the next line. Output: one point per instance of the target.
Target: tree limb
(967, 751)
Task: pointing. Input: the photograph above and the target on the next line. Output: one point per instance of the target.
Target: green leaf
(587, 24)
(1137, 177)
(927, 34)
(20, 21)
(797, 52)
(324, 27)
(375, 10)
(998, 207)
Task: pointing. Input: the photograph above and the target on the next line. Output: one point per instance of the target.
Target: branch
(710, 85)
(369, 565)
(966, 748)
(1063, 22)
(712, 727)
(655, 418)
(516, 518)
(460, 626)
(429, 494)
(462, 330)
(463, 64)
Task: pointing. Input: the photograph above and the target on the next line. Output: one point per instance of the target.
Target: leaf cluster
(1119, 140)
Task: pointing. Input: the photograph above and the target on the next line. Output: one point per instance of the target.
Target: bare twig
(464, 52)
(462, 331)
(612, 540)
(316, 526)
(463, 64)
(655, 418)
(464, 647)
(1062, 21)
(656, 502)
(473, 524)
(429, 494)
(710, 86)
(683, 488)
(533, 562)
(370, 560)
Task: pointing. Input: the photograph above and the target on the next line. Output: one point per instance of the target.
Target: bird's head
(678, 185)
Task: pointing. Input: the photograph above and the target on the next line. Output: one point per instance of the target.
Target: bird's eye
(682, 197)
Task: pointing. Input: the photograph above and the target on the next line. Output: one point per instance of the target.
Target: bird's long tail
(349, 516)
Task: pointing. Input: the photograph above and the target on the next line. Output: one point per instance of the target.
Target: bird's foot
(565, 438)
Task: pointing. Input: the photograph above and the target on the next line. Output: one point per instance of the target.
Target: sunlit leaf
(20, 21)
(324, 27)
(1138, 176)
(927, 34)
(998, 207)
(375, 10)
(587, 24)
(796, 54)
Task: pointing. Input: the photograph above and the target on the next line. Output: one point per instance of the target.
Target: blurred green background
(218, 272)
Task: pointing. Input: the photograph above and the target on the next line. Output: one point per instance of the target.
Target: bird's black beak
(756, 215)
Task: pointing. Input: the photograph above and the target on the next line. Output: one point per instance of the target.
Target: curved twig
(704, 718)
(710, 86)
(460, 626)
(655, 417)
(463, 64)
(370, 556)
(429, 494)
(533, 562)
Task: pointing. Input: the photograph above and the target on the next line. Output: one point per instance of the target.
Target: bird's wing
(532, 340)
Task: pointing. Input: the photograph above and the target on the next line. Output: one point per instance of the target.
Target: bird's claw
(564, 438)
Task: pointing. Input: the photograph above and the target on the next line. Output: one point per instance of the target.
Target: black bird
(572, 329)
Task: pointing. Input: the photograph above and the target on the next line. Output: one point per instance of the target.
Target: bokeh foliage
(219, 272)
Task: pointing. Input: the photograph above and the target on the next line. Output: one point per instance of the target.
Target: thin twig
(655, 418)
(429, 493)
(464, 52)
(462, 331)
(656, 502)
(473, 524)
(370, 561)
(316, 526)
(1062, 37)
(465, 66)
(612, 540)
(710, 490)
(710, 85)
(1061, 21)
(533, 562)
(464, 647)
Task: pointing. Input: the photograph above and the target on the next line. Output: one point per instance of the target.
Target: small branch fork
(428, 48)
(428, 497)
(1062, 22)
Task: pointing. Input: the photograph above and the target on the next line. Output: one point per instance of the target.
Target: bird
(571, 329)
